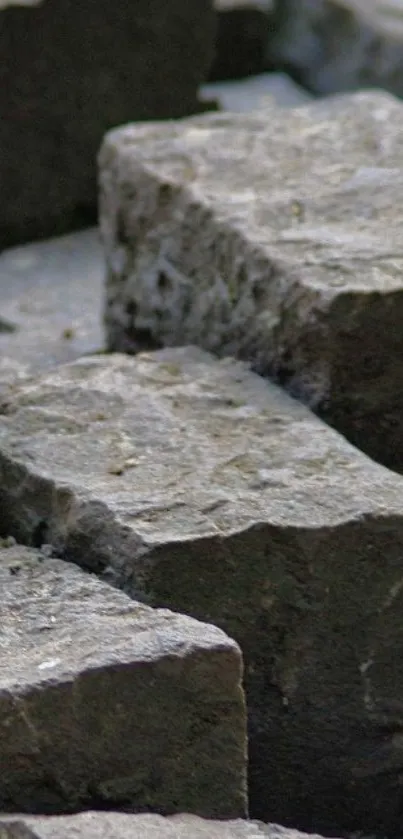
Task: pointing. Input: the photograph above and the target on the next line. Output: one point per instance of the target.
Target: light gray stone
(69, 72)
(274, 236)
(195, 485)
(105, 702)
(52, 293)
(95, 825)
(248, 94)
(339, 45)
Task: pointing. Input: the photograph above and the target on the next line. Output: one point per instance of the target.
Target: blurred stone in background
(331, 46)
(241, 41)
(69, 71)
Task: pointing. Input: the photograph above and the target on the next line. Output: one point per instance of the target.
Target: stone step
(274, 236)
(105, 702)
(93, 825)
(195, 485)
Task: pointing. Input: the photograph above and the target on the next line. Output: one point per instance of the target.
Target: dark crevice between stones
(83, 216)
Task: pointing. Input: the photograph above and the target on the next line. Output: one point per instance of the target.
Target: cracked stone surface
(195, 485)
(105, 702)
(274, 236)
(95, 825)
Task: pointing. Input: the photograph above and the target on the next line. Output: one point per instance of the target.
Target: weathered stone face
(107, 703)
(194, 484)
(69, 72)
(336, 45)
(93, 825)
(276, 237)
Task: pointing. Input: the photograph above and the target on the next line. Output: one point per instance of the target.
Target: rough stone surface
(196, 485)
(241, 39)
(107, 703)
(93, 825)
(51, 293)
(69, 72)
(275, 236)
(339, 45)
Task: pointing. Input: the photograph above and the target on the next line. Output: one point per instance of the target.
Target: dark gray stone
(107, 703)
(194, 484)
(69, 72)
(241, 39)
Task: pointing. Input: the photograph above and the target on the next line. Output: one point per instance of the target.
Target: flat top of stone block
(52, 293)
(176, 444)
(320, 184)
(54, 619)
(96, 825)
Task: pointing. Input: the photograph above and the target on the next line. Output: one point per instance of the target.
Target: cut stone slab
(51, 292)
(105, 702)
(339, 45)
(276, 237)
(196, 485)
(249, 94)
(94, 825)
(59, 93)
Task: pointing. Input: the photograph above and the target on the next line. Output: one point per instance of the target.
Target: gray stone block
(193, 484)
(107, 703)
(93, 825)
(273, 236)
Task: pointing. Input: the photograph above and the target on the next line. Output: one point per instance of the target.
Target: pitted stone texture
(71, 71)
(93, 825)
(276, 237)
(339, 45)
(105, 702)
(194, 484)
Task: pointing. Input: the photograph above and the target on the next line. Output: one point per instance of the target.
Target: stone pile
(204, 557)
(194, 485)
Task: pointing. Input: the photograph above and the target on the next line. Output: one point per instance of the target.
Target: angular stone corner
(106, 703)
(194, 484)
(93, 825)
(339, 45)
(69, 73)
(274, 236)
